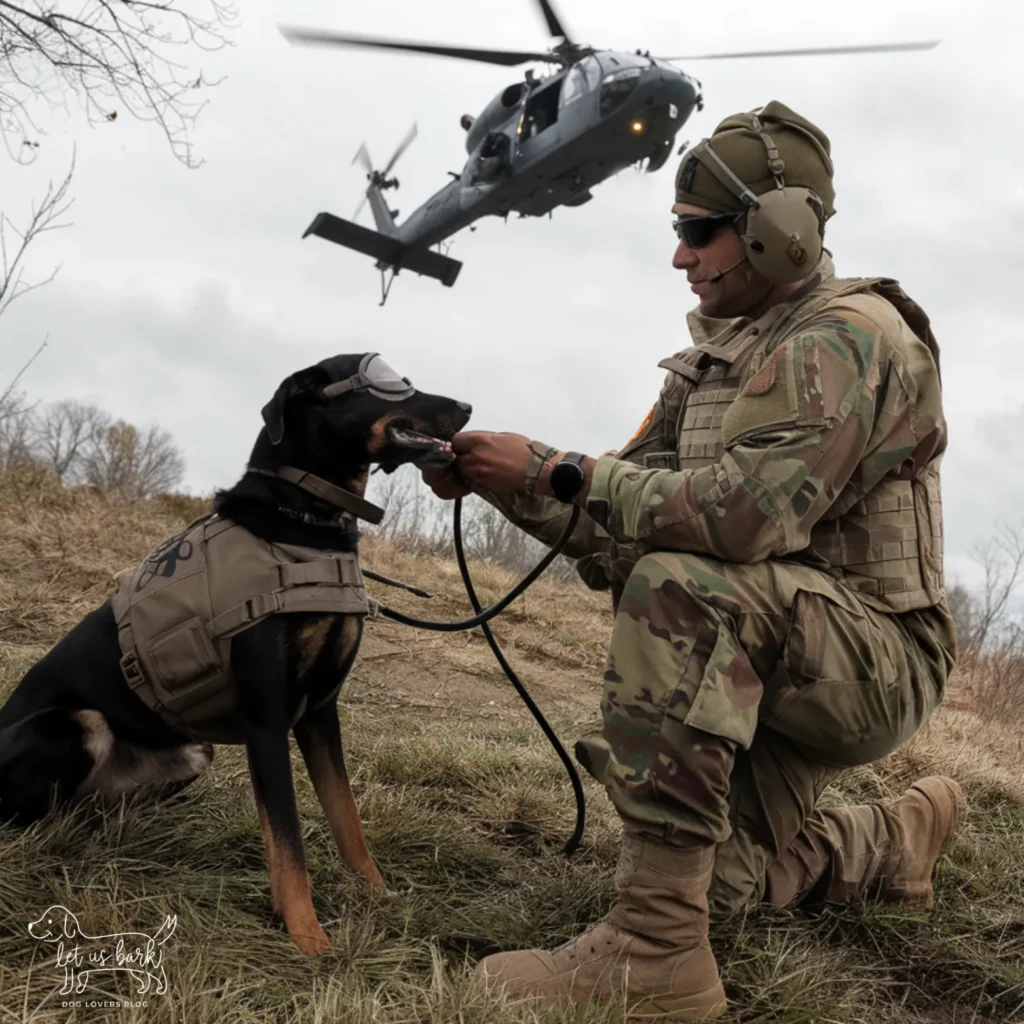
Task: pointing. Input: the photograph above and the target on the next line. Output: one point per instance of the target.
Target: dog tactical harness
(178, 610)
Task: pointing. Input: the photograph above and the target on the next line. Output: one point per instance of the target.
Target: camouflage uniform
(772, 539)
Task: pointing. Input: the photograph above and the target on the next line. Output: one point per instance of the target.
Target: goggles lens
(697, 230)
(381, 379)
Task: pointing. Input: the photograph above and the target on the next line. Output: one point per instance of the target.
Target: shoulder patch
(763, 381)
(643, 426)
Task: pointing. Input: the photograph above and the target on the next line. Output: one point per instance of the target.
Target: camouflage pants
(735, 693)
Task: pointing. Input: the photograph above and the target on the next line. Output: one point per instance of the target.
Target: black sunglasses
(697, 229)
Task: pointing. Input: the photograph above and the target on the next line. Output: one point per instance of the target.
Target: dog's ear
(301, 382)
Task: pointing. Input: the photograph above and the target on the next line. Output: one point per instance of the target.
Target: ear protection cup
(782, 234)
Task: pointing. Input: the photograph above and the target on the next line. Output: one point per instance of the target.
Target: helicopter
(541, 143)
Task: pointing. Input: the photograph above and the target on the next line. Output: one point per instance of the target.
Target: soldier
(772, 539)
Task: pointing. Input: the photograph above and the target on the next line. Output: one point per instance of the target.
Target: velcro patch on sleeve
(763, 381)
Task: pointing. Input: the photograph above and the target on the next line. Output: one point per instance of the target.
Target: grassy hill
(466, 809)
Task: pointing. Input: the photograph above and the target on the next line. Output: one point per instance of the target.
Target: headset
(782, 231)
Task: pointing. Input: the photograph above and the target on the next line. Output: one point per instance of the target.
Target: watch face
(566, 480)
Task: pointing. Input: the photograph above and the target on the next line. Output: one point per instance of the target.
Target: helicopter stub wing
(384, 248)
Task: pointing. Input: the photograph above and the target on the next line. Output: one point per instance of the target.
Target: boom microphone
(714, 279)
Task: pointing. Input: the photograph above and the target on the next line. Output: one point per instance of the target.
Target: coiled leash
(481, 619)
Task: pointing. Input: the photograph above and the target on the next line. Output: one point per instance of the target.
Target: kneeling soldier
(772, 538)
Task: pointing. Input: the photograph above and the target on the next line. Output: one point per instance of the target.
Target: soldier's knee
(681, 566)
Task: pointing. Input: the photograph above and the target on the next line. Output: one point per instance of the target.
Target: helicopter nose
(465, 407)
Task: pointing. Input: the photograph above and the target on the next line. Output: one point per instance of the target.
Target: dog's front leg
(270, 770)
(260, 664)
(319, 737)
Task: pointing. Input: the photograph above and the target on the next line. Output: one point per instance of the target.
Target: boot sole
(694, 1007)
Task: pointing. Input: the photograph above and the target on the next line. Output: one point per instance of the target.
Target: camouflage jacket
(813, 433)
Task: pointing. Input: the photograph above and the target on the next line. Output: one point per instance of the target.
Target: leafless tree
(114, 56)
(63, 433)
(137, 464)
(986, 615)
(45, 216)
(15, 430)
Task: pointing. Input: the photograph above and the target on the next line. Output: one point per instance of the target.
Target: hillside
(466, 808)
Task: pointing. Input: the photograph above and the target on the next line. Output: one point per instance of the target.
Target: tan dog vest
(177, 611)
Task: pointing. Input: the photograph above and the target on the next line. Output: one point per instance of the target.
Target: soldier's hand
(496, 461)
(446, 482)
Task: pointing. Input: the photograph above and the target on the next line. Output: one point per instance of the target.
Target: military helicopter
(541, 143)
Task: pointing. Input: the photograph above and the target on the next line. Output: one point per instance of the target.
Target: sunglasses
(697, 229)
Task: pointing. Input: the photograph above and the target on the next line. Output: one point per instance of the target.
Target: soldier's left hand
(497, 462)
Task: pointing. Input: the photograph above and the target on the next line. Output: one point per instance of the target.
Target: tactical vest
(178, 610)
(888, 546)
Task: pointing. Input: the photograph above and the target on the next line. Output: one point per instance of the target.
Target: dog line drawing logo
(136, 953)
(164, 561)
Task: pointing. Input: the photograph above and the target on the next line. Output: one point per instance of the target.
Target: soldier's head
(750, 210)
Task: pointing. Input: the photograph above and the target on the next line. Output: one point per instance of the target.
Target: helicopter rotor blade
(363, 156)
(402, 147)
(812, 51)
(555, 26)
(359, 209)
(507, 58)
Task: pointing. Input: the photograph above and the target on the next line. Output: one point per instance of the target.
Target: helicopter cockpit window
(582, 77)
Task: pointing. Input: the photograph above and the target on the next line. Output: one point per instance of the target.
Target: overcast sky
(184, 296)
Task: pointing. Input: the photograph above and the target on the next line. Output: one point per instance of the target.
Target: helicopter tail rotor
(379, 180)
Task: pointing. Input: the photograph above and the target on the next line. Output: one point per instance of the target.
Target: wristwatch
(567, 477)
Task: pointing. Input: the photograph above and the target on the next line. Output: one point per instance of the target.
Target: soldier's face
(719, 273)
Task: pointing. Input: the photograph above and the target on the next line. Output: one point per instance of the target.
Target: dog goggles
(697, 230)
(374, 375)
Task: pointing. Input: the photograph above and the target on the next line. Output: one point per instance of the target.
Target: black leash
(481, 619)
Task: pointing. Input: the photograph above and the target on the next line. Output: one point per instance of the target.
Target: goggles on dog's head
(374, 375)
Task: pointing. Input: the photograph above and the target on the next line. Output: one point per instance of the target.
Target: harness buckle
(132, 671)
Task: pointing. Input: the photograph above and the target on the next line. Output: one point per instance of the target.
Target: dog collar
(326, 491)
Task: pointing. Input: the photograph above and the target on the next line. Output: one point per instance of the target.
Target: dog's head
(351, 411)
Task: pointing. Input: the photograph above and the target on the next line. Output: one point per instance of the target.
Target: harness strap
(325, 491)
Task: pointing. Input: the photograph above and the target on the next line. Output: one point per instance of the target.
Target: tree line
(84, 444)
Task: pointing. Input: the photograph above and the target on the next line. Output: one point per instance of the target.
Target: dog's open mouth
(424, 451)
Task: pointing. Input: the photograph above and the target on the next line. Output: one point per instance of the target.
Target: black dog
(75, 729)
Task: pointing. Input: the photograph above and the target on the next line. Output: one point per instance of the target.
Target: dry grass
(465, 809)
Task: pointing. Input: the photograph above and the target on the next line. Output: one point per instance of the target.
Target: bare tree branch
(46, 216)
(112, 55)
(137, 464)
(62, 435)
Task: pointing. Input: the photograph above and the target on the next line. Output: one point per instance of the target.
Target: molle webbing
(888, 546)
(177, 611)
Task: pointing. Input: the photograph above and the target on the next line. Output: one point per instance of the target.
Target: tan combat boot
(651, 952)
(887, 851)
(929, 812)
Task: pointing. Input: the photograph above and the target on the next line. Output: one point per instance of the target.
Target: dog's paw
(312, 943)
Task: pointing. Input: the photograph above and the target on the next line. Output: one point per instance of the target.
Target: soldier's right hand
(446, 483)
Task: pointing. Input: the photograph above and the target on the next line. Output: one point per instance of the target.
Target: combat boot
(884, 851)
(651, 952)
